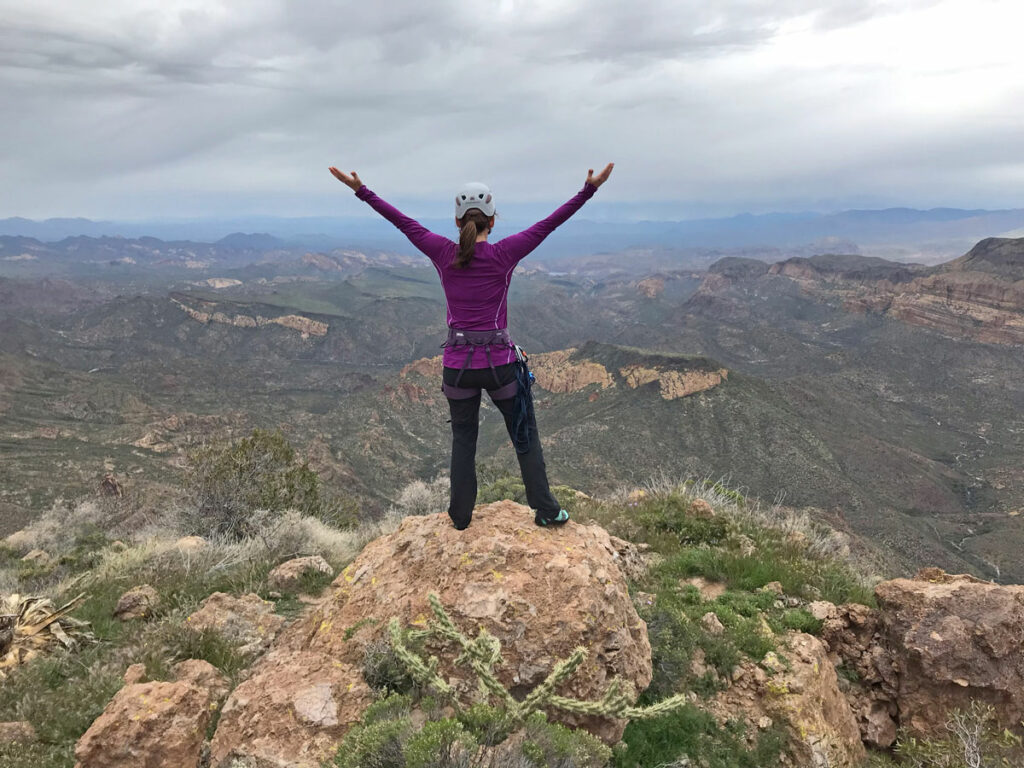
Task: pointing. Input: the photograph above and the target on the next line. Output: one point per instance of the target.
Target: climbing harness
(518, 388)
(486, 339)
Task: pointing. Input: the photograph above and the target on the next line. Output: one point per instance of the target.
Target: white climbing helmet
(474, 195)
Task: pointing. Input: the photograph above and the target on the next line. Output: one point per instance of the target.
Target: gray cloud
(184, 107)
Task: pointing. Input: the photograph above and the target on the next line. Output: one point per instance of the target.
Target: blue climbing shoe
(560, 519)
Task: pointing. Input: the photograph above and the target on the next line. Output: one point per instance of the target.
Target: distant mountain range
(903, 233)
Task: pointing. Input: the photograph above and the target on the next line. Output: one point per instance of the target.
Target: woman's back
(477, 295)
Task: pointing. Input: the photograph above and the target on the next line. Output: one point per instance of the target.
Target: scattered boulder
(702, 509)
(287, 577)
(148, 725)
(37, 557)
(137, 603)
(802, 693)
(18, 732)
(541, 592)
(709, 590)
(712, 624)
(248, 622)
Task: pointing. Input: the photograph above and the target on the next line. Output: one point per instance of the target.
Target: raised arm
(516, 247)
(431, 245)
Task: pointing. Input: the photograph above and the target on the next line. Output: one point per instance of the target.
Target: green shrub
(36, 755)
(489, 725)
(259, 472)
(801, 620)
(174, 641)
(693, 733)
(550, 744)
(375, 745)
(387, 738)
(440, 744)
(667, 523)
(61, 694)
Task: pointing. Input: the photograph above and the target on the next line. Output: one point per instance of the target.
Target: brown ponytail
(470, 227)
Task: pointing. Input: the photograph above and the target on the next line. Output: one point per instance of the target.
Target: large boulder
(137, 603)
(802, 693)
(953, 640)
(17, 732)
(542, 592)
(156, 724)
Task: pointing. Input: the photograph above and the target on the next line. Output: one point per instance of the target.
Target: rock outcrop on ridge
(541, 592)
(954, 639)
(936, 643)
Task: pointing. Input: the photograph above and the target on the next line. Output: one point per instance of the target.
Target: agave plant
(30, 626)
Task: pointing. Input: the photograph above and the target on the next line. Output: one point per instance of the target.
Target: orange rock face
(673, 384)
(979, 296)
(305, 326)
(555, 372)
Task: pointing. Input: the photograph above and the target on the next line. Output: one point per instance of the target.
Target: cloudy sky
(152, 108)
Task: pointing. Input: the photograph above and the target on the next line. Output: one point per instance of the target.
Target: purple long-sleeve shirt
(477, 296)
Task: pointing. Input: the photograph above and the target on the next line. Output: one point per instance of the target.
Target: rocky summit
(541, 592)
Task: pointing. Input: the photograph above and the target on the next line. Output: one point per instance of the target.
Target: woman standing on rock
(479, 353)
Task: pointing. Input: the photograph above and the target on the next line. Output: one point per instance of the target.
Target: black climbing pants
(465, 427)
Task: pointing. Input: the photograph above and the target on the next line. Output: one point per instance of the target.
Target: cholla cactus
(482, 653)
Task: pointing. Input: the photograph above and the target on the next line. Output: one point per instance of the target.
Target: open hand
(349, 181)
(602, 177)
